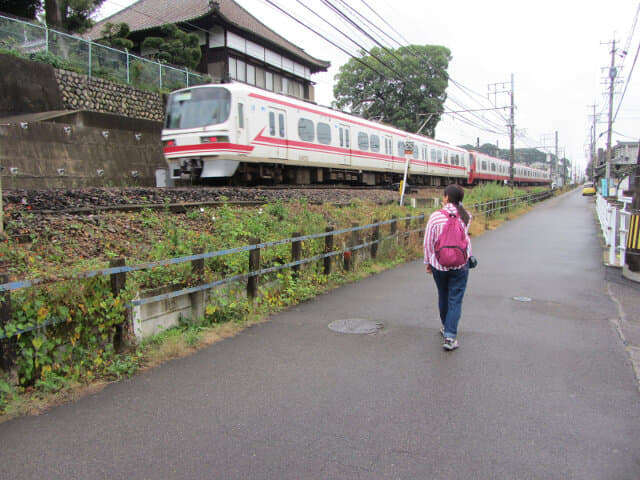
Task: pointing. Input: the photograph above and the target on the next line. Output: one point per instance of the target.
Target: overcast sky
(553, 49)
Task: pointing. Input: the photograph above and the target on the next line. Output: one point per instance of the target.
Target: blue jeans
(451, 286)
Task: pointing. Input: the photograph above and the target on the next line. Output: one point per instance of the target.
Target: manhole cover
(358, 326)
(522, 299)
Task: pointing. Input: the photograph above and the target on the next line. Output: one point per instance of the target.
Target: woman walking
(447, 249)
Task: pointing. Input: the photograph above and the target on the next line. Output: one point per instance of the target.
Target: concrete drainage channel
(356, 326)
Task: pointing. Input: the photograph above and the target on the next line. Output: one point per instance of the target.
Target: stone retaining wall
(81, 92)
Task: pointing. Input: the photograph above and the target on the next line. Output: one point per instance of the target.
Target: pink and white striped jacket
(433, 231)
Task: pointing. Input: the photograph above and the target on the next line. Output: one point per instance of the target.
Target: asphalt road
(538, 390)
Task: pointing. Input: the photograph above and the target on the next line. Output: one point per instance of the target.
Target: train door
(345, 143)
(278, 132)
(242, 127)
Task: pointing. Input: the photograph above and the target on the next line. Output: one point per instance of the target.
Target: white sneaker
(450, 344)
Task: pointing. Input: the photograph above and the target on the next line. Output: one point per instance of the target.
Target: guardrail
(118, 270)
(41, 43)
(614, 223)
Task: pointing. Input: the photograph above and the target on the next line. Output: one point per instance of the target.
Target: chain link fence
(68, 52)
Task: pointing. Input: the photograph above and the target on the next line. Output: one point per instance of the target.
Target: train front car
(200, 134)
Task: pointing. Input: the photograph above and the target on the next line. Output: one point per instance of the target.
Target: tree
(21, 8)
(404, 92)
(176, 47)
(71, 15)
(115, 35)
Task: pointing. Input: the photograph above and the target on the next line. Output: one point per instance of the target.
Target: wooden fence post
(407, 235)
(118, 282)
(296, 254)
(254, 265)
(7, 345)
(355, 240)
(376, 238)
(198, 299)
(394, 231)
(328, 247)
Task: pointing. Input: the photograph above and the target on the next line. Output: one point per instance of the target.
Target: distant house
(235, 45)
(625, 153)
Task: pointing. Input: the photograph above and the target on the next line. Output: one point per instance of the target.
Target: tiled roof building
(235, 45)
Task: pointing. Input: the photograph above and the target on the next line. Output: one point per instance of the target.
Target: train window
(483, 164)
(305, 130)
(281, 124)
(374, 141)
(240, 115)
(363, 141)
(493, 167)
(424, 153)
(434, 155)
(341, 137)
(388, 146)
(346, 138)
(400, 149)
(268, 80)
(416, 152)
(324, 133)
(440, 156)
(272, 124)
(446, 157)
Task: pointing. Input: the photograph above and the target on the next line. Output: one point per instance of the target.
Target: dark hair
(455, 194)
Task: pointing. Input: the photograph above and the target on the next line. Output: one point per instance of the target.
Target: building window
(305, 130)
(260, 77)
(363, 141)
(242, 71)
(232, 68)
(374, 141)
(277, 83)
(324, 133)
(285, 85)
(268, 80)
(251, 74)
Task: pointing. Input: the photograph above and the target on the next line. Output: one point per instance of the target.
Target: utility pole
(593, 144)
(512, 149)
(557, 159)
(612, 81)
(503, 87)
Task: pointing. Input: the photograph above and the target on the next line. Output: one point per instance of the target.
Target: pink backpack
(451, 246)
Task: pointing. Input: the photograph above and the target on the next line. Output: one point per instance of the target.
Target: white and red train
(243, 133)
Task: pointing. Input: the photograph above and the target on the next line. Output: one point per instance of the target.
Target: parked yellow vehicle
(588, 189)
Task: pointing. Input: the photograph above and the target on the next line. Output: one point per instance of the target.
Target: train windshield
(198, 107)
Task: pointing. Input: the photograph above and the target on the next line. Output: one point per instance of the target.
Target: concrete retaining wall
(53, 155)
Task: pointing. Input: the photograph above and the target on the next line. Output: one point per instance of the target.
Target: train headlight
(170, 143)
